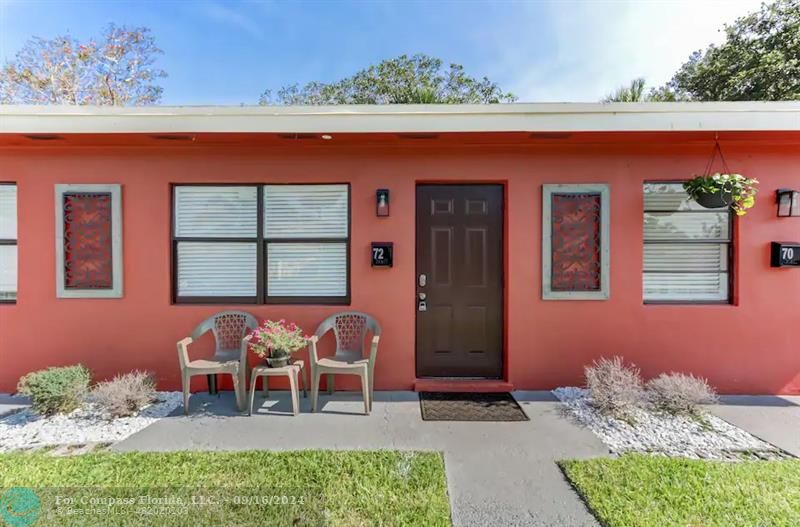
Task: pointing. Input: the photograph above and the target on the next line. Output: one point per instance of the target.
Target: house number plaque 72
(382, 254)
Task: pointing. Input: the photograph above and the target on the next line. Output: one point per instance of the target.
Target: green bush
(56, 390)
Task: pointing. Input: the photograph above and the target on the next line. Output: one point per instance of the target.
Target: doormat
(461, 406)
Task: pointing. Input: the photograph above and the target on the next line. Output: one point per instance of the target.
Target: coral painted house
(499, 246)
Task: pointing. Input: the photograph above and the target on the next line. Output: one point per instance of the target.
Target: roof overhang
(536, 117)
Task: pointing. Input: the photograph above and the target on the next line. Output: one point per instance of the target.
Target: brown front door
(459, 281)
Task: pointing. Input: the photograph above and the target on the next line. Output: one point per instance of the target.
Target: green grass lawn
(337, 488)
(645, 491)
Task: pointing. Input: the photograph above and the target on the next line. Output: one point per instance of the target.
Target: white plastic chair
(230, 355)
(350, 329)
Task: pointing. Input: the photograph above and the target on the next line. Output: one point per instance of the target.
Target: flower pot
(714, 200)
(278, 359)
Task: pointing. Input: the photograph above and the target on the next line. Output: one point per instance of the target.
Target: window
(575, 234)
(88, 241)
(261, 244)
(8, 242)
(686, 248)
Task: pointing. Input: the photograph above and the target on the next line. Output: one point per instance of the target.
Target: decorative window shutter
(88, 241)
(576, 247)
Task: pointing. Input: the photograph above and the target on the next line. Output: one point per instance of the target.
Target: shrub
(678, 393)
(56, 390)
(615, 389)
(126, 394)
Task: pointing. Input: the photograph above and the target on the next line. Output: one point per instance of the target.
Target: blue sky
(229, 52)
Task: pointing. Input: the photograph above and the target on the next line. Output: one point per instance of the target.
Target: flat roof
(516, 117)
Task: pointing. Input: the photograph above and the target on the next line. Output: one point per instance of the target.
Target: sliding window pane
(307, 270)
(8, 272)
(215, 212)
(8, 212)
(305, 211)
(660, 257)
(686, 226)
(216, 269)
(686, 287)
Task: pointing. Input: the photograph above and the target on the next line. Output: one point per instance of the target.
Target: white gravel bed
(675, 436)
(27, 429)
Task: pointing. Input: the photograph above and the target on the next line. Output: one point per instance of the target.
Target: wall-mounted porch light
(382, 205)
(788, 202)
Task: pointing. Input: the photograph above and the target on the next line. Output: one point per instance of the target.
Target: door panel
(460, 250)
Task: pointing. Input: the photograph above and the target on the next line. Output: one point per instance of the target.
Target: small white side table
(293, 371)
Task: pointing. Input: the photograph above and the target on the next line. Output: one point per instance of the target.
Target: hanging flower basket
(714, 200)
(715, 191)
(723, 190)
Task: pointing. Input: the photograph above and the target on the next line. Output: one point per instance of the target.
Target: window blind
(208, 264)
(8, 272)
(307, 269)
(216, 269)
(300, 250)
(686, 248)
(8, 242)
(218, 212)
(316, 213)
(8, 212)
(305, 211)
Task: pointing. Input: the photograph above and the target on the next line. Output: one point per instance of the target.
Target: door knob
(422, 296)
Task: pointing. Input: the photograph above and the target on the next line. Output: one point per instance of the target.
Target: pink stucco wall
(749, 347)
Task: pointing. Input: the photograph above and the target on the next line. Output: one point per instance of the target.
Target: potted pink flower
(275, 341)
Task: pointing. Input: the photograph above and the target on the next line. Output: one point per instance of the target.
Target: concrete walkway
(500, 474)
(775, 419)
(12, 403)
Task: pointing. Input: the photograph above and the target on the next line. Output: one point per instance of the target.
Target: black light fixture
(788, 202)
(382, 202)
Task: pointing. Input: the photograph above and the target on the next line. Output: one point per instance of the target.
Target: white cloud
(223, 14)
(591, 47)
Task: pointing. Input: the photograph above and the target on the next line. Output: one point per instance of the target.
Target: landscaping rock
(701, 437)
(27, 429)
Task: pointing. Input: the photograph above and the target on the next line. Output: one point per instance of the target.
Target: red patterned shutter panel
(87, 240)
(576, 242)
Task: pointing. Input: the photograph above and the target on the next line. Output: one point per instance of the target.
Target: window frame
(730, 242)
(604, 191)
(116, 289)
(12, 242)
(262, 243)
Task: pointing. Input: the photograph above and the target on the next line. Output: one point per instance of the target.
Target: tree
(759, 60)
(418, 79)
(117, 71)
(634, 92)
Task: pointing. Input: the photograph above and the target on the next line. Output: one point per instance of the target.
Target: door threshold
(462, 385)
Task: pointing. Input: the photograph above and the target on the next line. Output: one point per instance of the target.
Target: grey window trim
(605, 241)
(116, 242)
